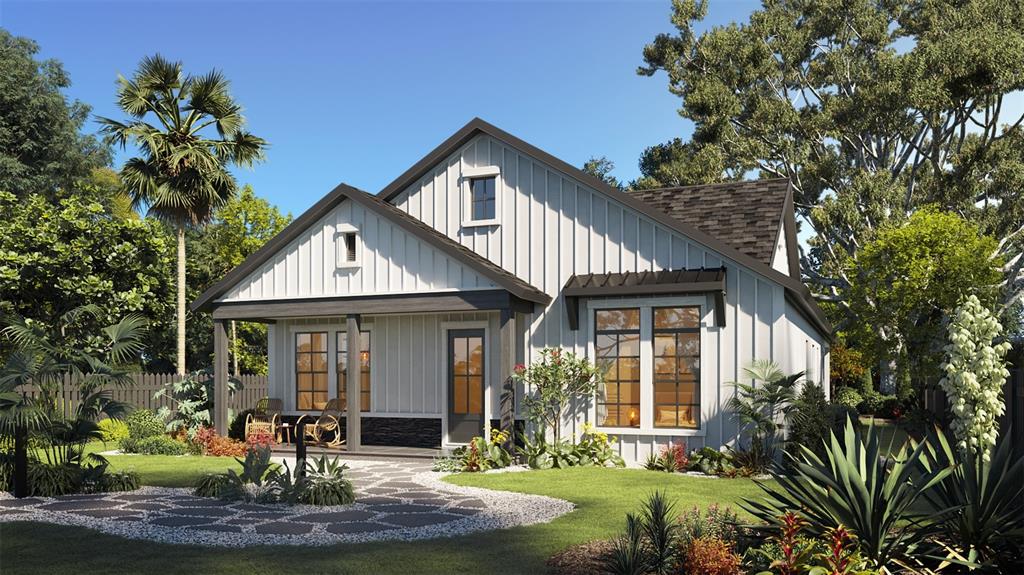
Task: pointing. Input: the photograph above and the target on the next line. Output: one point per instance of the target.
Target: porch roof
(665, 282)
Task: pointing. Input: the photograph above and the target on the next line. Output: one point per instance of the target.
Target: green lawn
(603, 496)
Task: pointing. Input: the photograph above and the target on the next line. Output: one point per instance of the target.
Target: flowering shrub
(260, 439)
(552, 382)
(974, 376)
(711, 556)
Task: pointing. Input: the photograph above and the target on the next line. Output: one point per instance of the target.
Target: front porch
(433, 369)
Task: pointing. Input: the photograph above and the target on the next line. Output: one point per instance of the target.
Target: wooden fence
(141, 395)
(1013, 419)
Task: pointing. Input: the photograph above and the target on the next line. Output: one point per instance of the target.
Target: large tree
(42, 149)
(182, 175)
(55, 258)
(238, 229)
(870, 108)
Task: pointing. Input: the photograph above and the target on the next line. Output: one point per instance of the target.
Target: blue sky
(358, 92)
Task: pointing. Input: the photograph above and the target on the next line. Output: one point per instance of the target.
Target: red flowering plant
(260, 439)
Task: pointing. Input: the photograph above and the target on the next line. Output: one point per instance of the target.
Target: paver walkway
(394, 500)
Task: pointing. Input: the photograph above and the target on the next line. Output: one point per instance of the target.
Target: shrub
(192, 397)
(155, 445)
(214, 445)
(45, 480)
(594, 448)
(113, 430)
(717, 522)
(261, 439)
(143, 423)
(877, 404)
(812, 420)
(711, 556)
(237, 428)
(848, 396)
(672, 458)
(449, 464)
(325, 484)
(127, 480)
(211, 485)
(710, 461)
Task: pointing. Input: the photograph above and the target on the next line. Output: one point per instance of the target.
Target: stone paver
(394, 500)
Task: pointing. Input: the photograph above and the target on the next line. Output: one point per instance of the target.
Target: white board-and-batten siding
(391, 261)
(552, 226)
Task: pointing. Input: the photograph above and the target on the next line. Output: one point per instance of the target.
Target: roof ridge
(708, 185)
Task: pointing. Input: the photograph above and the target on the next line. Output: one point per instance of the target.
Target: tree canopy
(42, 149)
(872, 109)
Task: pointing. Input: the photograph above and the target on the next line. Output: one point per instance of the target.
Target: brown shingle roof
(745, 215)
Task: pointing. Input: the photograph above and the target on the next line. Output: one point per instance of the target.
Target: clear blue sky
(357, 92)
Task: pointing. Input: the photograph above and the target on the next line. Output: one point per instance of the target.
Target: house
(489, 249)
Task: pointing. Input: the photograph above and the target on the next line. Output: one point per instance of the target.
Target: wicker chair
(327, 423)
(265, 418)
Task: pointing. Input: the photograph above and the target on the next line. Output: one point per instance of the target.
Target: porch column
(353, 390)
(220, 376)
(507, 343)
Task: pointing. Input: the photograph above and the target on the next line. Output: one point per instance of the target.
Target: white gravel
(501, 510)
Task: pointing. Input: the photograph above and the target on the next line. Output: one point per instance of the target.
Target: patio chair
(327, 423)
(265, 417)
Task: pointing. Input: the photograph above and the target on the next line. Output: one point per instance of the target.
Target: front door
(465, 384)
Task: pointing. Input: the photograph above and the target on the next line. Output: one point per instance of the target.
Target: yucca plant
(857, 486)
(985, 522)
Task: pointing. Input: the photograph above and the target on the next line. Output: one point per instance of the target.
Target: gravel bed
(401, 503)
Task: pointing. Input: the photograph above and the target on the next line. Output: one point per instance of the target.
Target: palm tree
(182, 174)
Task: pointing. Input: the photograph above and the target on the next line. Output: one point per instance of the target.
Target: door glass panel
(476, 355)
(476, 391)
(461, 394)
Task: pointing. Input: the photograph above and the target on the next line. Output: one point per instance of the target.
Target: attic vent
(348, 249)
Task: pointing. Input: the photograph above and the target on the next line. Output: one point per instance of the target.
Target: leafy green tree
(55, 258)
(41, 147)
(907, 281)
(678, 163)
(872, 109)
(238, 229)
(182, 176)
(602, 168)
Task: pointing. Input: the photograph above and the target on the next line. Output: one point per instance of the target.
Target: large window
(677, 367)
(617, 347)
(311, 370)
(364, 369)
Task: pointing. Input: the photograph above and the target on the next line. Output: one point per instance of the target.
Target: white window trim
(647, 363)
(341, 250)
(468, 174)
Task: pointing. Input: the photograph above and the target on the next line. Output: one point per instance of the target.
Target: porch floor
(368, 451)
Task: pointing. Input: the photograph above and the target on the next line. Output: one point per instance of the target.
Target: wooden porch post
(220, 376)
(353, 384)
(507, 343)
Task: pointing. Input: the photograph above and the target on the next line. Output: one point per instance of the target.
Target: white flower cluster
(974, 376)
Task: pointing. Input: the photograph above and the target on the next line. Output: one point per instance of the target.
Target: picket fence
(141, 395)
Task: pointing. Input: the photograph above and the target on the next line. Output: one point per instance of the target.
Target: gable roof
(747, 215)
(478, 263)
(796, 291)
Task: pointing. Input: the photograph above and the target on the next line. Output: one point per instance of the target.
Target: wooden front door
(466, 371)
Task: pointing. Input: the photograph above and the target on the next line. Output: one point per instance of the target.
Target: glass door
(465, 384)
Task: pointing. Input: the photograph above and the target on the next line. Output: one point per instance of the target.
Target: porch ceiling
(436, 302)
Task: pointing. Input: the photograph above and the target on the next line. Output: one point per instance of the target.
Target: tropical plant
(182, 174)
(53, 480)
(649, 542)
(975, 373)
(986, 497)
(594, 448)
(671, 459)
(255, 484)
(325, 483)
(553, 383)
(127, 480)
(192, 398)
(789, 553)
(710, 461)
(212, 485)
(480, 454)
(761, 409)
(716, 522)
(628, 555)
(855, 485)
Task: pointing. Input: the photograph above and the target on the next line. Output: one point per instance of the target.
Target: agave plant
(985, 524)
(855, 485)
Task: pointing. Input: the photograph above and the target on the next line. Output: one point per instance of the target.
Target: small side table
(286, 432)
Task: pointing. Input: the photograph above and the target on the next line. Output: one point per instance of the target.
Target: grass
(602, 497)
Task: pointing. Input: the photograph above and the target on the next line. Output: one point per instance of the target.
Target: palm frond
(126, 337)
